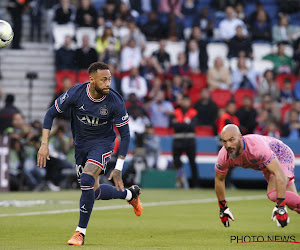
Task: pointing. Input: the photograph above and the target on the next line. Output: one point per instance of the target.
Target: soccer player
(266, 154)
(95, 108)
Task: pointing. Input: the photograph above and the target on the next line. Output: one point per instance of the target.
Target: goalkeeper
(266, 154)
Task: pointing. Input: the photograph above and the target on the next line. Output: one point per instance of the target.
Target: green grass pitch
(171, 219)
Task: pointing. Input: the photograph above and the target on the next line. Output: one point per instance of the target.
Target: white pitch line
(149, 204)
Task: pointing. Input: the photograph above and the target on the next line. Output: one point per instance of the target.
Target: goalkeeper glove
(280, 213)
(225, 213)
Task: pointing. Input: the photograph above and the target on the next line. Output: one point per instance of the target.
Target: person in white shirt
(134, 83)
(228, 26)
(131, 56)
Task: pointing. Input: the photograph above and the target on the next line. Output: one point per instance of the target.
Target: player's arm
(116, 174)
(225, 213)
(279, 212)
(43, 153)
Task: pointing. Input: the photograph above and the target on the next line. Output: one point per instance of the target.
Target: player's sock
(87, 200)
(292, 200)
(108, 192)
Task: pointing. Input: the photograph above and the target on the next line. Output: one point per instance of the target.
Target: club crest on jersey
(103, 110)
(64, 97)
(218, 166)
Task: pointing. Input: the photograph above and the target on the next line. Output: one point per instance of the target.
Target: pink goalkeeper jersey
(258, 152)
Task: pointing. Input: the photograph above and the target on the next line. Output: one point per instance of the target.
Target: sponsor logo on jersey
(82, 107)
(103, 110)
(125, 117)
(91, 121)
(218, 166)
(64, 97)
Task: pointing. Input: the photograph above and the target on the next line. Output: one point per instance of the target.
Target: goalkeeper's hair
(97, 65)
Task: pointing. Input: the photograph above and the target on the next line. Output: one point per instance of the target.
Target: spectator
(253, 16)
(160, 111)
(239, 9)
(162, 56)
(228, 26)
(228, 117)
(86, 55)
(152, 146)
(36, 12)
(131, 56)
(134, 83)
(184, 122)
(153, 28)
(262, 122)
(238, 43)
(64, 13)
(181, 68)
(283, 32)
(16, 9)
(296, 57)
(65, 57)
(268, 85)
(289, 6)
(219, 76)
(287, 93)
(155, 87)
(247, 116)
(243, 77)
(133, 103)
(138, 122)
(108, 12)
(107, 40)
(271, 106)
(124, 13)
(207, 110)
(220, 5)
(7, 112)
(86, 15)
(291, 129)
(150, 68)
(144, 7)
(205, 23)
(282, 62)
(197, 36)
(261, 27)
(272, 129)
(176, 86)
(134, 33)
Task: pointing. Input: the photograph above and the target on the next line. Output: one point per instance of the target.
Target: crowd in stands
(215, 75)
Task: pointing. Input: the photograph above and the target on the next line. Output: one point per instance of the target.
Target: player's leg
(87, 181)
(292, 198)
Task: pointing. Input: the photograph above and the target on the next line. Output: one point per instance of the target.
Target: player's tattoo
(117, 174)
(90, 167)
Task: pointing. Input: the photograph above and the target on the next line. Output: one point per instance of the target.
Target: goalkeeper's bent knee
(272, 195)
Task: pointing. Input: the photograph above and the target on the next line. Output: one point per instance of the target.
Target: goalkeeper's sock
(292, 200)
(86, 201)
(108, 192)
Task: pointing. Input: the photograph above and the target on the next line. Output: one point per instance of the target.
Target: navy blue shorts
(99, 154)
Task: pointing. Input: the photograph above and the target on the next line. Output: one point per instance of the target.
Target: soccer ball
(6, 34)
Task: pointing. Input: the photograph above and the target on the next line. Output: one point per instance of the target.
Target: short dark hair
(97, 65)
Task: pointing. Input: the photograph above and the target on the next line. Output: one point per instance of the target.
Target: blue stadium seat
(98, 3)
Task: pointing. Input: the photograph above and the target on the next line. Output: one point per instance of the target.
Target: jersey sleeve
(221, 165)
(121, 116)
(63, 102)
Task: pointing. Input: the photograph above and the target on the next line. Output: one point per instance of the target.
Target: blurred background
(184, 68)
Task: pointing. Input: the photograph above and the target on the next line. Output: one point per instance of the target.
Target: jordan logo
(82, 107)
(83, 209)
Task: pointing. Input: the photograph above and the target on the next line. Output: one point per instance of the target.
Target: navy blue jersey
(92, 119)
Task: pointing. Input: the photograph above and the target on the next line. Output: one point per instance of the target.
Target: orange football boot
(76, 239)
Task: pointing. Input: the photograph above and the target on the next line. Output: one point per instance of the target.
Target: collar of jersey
(93, 99)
